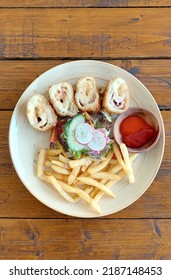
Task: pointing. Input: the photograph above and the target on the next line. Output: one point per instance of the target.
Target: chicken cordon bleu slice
(40, 113)
(62, 99)
(87, 96)
(116, 96)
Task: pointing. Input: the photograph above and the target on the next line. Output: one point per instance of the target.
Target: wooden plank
(85, 239)
(154, 74)
(91, 32)
(16, 201)
(83, 3)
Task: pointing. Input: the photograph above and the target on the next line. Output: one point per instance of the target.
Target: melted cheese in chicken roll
(87, 96)
(62, 99)
(116, 96)
(40, 113)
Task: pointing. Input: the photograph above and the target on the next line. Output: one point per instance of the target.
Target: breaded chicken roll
(40, 113)
(87, 96)
(62, 99)
(116, 96)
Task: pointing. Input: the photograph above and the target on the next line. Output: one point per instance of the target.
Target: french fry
(119, 157)
(73, 175)
(104, 181)
(50, 158)
(125, 167)
(61, 164)
(87, 178)
(94, 192)
(63, 159)
(92, 182)
(86, 165)
(96, 162)
(115, 169)
(101, 165)
(80, 162)
(109, 184)
(82, 194)
(104, 175)
(61, 177)
(84, 174)
(86, 189)
(121, 174)
(113, 161)
(58, 176)
(93, 164)
(40, 162)
(55, 183)
(87, 198)
(127, 161)
(48, 163)
(54, 152)
(60, 170)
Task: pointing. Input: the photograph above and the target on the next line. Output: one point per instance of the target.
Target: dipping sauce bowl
(146, 115)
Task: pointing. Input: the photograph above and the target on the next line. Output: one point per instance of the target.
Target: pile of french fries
(85, 178)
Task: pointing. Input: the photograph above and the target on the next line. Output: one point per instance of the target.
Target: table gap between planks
(37, 35)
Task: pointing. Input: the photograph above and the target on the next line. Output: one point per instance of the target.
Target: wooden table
(37, 35)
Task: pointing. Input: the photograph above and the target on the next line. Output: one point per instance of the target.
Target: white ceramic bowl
(25, 142)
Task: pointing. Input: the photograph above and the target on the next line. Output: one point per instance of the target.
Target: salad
(84, 134)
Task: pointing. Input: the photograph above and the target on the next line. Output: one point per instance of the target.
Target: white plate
(25, 142)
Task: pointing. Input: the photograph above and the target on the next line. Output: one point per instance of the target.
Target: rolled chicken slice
(40, 113)
(116, 96)
(87, 96)
(62, 99)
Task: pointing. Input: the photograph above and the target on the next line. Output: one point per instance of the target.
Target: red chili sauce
(136, 132)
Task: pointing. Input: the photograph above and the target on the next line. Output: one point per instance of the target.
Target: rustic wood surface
(85, 32)
(83, 3)
(93, 239)
(37, 35)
